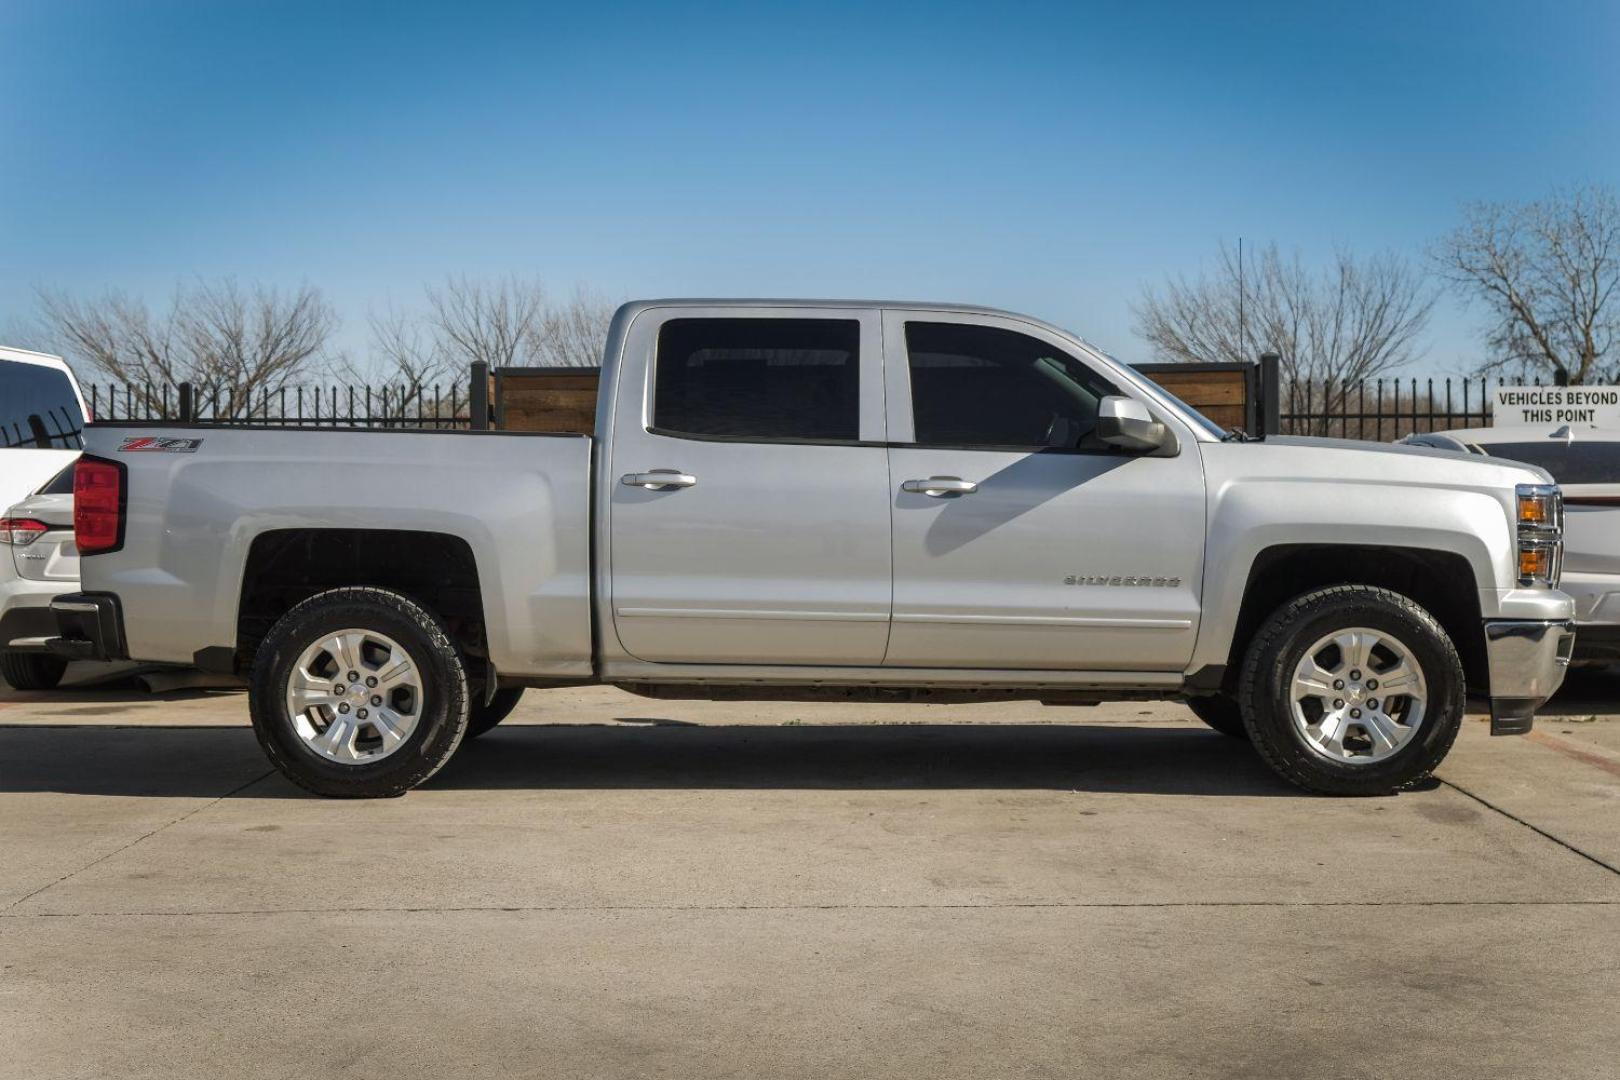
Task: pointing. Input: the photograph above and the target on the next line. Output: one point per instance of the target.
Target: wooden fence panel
(546, 399)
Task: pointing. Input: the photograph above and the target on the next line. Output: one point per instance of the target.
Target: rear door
(41, 421)
(1020, 541)
(749, 511)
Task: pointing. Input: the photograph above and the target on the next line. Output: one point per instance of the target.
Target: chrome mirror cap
(1126, 423)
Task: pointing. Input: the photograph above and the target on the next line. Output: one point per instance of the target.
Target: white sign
(1578, 406)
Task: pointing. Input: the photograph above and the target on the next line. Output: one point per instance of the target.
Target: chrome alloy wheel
(1358, 696)
(355, 696)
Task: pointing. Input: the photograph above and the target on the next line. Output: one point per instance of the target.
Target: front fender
(1249, 516)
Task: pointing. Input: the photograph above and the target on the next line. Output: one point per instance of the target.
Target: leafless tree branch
(213, 333)
(1353, 320)
(509, 322)
(1547, 274)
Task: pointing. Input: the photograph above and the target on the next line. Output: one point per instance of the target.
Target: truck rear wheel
(358, 693)
(482, 717)
(32, 671)
(1352, 690)
(1221, 712)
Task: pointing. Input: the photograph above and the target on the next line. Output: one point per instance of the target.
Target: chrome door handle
(658, 479)
(940, 486)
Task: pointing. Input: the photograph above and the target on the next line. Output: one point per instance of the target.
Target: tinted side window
(759, 379)
(1569, 463)
(38, 409)
(983, 386)
(60, 484)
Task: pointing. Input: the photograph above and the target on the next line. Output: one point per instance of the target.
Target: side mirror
(1126, 423)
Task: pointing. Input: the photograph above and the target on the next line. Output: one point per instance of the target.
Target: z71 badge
(153, 445)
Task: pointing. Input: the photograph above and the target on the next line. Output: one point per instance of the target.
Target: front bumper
(1527, 661)
(89, 626)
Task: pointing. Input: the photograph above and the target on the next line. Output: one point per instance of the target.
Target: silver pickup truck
(843, 499)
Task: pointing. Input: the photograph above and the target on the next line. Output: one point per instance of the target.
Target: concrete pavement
(610, 886)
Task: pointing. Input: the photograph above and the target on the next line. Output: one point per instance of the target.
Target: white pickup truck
(829, 499)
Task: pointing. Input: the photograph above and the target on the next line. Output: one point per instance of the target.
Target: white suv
(38, 562)
(42, 418)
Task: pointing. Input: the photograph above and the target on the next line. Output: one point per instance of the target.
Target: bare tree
(407, 349)
(495, 323)
(1547, 273)
(212, 333)
(507, 323)
(1354, 320)
(573, 334)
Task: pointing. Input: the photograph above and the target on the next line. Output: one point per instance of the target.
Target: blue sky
(1047, 158)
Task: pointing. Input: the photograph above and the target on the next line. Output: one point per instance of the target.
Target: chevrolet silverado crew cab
(792, 499)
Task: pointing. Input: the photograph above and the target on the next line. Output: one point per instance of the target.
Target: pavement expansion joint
(99, 859)
(723, 908)
(1538, 830)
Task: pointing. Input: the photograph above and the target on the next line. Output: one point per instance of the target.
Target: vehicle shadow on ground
(1059, 757)
(208, 762)
(1586, 690)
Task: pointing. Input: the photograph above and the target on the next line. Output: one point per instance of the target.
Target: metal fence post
(479, 396)
(188, 408)
(1270, 394)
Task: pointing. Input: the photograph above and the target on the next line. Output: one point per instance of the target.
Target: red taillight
(98, 506)
(20, 531)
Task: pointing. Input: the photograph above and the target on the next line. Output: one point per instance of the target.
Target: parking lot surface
(610, 886)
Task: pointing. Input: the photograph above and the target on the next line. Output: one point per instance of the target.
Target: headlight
(1540, 519)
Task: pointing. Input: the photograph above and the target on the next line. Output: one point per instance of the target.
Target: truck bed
(200, 497)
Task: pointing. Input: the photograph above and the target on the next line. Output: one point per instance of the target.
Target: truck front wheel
(1352, 690)
(358, 693)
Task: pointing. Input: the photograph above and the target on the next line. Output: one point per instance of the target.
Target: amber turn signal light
(1536, 563)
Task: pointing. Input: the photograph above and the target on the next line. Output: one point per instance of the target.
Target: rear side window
(60, 484)
(38, 409)
(987, 387)
(1569, 463)
(759, 379)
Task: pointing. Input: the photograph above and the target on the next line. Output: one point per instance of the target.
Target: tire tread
(1272, 639)
(437, 639)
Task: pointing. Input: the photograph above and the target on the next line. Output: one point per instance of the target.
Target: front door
(749, 509)
(1020, 540)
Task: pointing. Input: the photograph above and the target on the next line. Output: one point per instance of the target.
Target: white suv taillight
(20, 532)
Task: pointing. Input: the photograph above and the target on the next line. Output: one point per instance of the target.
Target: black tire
(443, 709)
(481, 718)
(32, 671)
(1221, 712)
(1282, 642)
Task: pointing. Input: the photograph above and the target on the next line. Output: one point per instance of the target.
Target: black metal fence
(1376, 409)
(1384, 409)
(333, 405)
